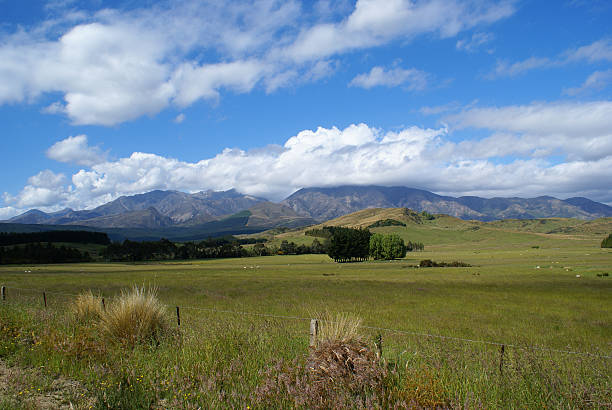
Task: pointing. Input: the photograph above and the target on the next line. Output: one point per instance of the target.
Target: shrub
(87, 307)
(428, 263)
(136, 316)
(607, 243)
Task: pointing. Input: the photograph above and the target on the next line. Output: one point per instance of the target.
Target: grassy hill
(445, 230)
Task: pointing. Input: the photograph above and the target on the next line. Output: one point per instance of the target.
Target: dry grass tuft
(341, 372)
(340, 328)
(136, 316)
(87, 307)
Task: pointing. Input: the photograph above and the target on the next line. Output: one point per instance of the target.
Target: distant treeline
(225, 247)
(386, 222)
(607, 243)
(13, 238)
(41, 253)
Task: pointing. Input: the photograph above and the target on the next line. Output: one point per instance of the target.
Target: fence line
(398, 331)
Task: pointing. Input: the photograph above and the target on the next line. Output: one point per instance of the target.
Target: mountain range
(180, 215)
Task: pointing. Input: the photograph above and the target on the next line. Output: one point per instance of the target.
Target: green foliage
(387, 247)
(320, 233)
(607, 243)
(427, 216)
(428, 263)
(31, 253)
(13, 238)
(387, 222)
(347, 244)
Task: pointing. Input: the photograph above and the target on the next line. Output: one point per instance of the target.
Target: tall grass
(87, 307)
(339, 328)
(135, 316)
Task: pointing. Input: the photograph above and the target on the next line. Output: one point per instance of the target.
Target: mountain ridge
(159, 210)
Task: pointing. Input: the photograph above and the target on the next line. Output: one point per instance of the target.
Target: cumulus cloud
(600, 50)
(114, 66)
(595, 82)
(562, 149)
(411, 79)
(76, 150)
(44, 189)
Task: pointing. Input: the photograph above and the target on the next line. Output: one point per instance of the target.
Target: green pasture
(522, 290)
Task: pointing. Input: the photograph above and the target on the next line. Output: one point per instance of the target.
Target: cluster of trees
(428, 263)
(41, 253)
(348, 245)
(14, 238)
(414, 246)
(387, 247)
(225, 247)
(387, 222)
(607, 243)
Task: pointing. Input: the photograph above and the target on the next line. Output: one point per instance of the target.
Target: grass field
(521, 291)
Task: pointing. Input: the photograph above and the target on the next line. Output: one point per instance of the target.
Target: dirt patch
(30, 388)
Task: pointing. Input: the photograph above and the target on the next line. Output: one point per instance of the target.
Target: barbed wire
(398, 331)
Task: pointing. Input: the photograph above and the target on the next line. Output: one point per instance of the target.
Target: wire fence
(43, 295)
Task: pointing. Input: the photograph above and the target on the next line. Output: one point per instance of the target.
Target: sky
(100, 99)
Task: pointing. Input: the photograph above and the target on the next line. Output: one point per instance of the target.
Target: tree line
(41, 253)
(14, 238)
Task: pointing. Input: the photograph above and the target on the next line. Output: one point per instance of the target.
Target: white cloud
(561, 149)
(411, 78)
(117, 65)
(600, 50)
(570, 119)
(9, 212)
(595, 82)
(472, 44)
(375, 22)
(506, 69)
(43, 189)
(179, 118)
(75, 150)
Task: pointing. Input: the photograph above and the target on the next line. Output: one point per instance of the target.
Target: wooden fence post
(3, 292)
(314, 332)
(378, 343)
(501, 360)
(45, 299)
(178, 317)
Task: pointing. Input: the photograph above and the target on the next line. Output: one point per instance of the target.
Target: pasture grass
(521, 291)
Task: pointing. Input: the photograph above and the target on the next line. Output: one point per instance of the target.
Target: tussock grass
(135, 316)
(87, 307)
(339, 328)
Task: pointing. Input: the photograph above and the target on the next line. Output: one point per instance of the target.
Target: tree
(347, 244)
(387, 247)
(607, 243)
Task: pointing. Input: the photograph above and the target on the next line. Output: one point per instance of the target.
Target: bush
(607, 243)
(428, 263)
(136, 316)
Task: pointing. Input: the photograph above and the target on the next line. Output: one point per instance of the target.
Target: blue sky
(475, 97)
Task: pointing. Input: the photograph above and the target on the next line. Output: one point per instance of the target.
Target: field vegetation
(527, 325)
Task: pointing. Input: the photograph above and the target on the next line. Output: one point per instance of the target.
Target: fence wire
(382, 329)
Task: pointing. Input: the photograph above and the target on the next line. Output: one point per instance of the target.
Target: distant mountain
(208, 213)
(327, 203)
(153, 209)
